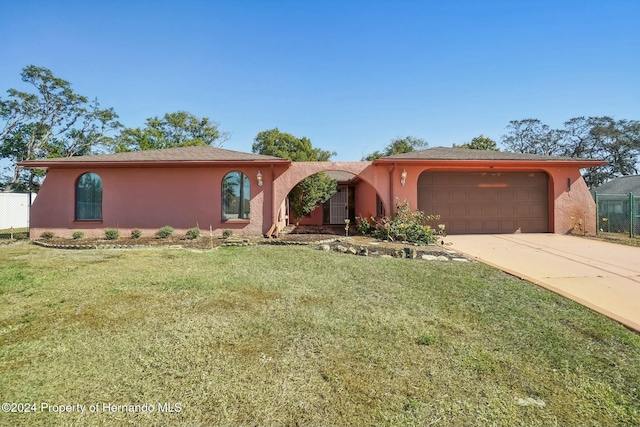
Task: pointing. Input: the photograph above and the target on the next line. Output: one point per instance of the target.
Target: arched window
(89, 197)
(236, 192)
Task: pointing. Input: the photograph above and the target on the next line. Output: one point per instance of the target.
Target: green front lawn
(284, 336)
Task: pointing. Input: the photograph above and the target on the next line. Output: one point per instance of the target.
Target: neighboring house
(474, 191)
(618, 212)
(621, 185)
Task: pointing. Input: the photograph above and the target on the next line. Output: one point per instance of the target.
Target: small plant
(346, 227)
(136, 234)
(227, 233)
(193, 233)
(77, 235)
(405, 226)
(111, 233)
(425, 340)
(164, 232)
(577, 226)
(364, 227)
(47, 235)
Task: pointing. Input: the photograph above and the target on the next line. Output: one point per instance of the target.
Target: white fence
(14, 209)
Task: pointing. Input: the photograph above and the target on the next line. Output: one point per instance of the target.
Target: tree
(398, 146)
(617, 141)
(179, 129)
(52, 122)
(531, 136)
(311, 191)
(479, 143)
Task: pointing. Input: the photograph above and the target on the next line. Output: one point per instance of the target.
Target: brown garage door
(486, 202)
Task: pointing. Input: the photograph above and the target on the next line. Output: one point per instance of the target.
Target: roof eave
(579, 163)
(33, 164)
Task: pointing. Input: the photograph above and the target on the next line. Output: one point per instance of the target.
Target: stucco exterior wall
(572, 202)
(315, 217)
(150, 198)
(365, 200)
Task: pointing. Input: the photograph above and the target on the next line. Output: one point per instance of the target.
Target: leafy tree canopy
(311, 191)
(398, 146)
(280, 144)
(51, 121)
(179, 129)
(479, 143)
(603, 138)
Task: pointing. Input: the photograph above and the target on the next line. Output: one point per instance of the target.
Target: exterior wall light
(259, 177)
(403, 177)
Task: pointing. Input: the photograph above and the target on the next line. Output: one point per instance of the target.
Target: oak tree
(50, 121)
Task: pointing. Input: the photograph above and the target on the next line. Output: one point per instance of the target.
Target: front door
(339, 205)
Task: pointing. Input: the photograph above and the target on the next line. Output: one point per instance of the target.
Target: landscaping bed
(355, 245)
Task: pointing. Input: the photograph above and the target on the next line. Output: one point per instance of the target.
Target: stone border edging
(404, 253)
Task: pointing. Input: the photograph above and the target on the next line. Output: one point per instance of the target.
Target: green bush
(405, 226)
(77, 235)
(227, 233)
(193, 233)
(111, 233)
(164, 232)
(425, 340)
(47, 235)
(136, 234)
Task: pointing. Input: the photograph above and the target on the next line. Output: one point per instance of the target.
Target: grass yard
(620, 238)
(296, 336)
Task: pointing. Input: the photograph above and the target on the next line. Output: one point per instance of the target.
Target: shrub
(77, 235)
(164, 232)
(193, 233)
(425, 340)
(111, 233)
(227, 233)
(47, 235)
(405, 225)
(136, 234)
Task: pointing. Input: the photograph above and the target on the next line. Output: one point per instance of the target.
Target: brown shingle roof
(447, 153)
(170, 154)
(340, 176)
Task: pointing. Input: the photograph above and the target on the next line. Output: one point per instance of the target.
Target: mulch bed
(360, 245)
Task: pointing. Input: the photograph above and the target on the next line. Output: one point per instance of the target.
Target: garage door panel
(490, 226)
(506, 210)
(457, 227)
(523, 210)
(490, 211)
(505, 195)
(441, 195)
(489, 194)
(474, 202)
(458, 195)
(507, 226)
(458, 211)
(539, 210)
(474, 210)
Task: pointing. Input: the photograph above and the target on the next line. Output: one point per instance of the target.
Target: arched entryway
(367, 189)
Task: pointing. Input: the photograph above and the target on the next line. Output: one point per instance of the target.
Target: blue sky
(349, 75)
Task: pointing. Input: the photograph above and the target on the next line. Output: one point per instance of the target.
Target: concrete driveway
(602, 276)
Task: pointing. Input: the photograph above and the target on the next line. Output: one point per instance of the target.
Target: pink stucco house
(473, 191)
